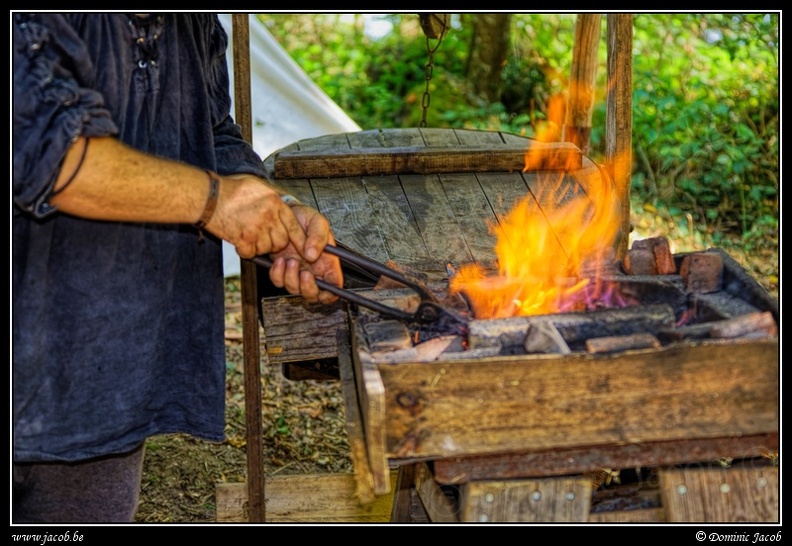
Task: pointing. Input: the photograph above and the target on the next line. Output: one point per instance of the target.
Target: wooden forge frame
(618, 162)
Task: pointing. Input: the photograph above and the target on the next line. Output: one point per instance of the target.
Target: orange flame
(542, 248)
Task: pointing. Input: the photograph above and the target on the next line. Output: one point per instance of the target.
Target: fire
(542, 248)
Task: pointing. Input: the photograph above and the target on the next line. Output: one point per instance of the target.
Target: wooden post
(580, 107)
(618, 121)
(250, 326)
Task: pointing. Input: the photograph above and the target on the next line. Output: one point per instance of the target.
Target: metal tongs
(430, 311)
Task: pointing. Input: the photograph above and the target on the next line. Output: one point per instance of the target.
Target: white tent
(286, 105)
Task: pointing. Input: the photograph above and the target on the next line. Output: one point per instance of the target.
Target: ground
(304, 430)
(304, 434)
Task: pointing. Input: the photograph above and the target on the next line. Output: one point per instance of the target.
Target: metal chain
(429, 70)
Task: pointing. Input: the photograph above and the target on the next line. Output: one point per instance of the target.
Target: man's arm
(250, 213)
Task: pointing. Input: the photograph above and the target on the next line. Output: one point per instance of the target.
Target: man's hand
(297, 271)
(251, 215)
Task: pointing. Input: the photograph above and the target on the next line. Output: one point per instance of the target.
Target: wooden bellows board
(424, 197)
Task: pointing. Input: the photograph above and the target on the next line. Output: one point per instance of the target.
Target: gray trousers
(101, 490)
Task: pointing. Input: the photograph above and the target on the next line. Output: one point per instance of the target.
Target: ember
(701, 295)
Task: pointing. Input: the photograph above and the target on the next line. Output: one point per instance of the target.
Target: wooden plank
(555, 189)
(366, 488)
(435, 219)
(301, 189)
(249, 284)
(474, 216)
(710, 493)
(403, 495)
(585, 59)
(437, 505)
(552, 191)
(434, 136)
(370, 399)
(345, 204)
(547, 500)
(304, 498)
(641, 515)
(295, 331)
(511, 138)
(535, 402)
(578, 460)
(397, 138)
(422, 160)
(490, 139)
(618, 117)
(397, 223)
(338, 141)
(504, 192)
(386, 138)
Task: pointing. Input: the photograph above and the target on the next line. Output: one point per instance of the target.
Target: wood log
(755, 325)
(650, 290)
(752, 325)
(576, 328)
(387, 335)
(612, 344)
(719, 306)
(544, 337)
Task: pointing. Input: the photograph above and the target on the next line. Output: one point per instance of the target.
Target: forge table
(520, 437)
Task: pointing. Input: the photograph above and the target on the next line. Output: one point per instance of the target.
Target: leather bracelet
(76, 170)
(211, 201)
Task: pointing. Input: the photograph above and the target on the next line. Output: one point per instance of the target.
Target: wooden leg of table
(407, 507)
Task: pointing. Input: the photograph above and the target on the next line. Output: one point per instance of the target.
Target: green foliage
(706, 107)
(705, 116)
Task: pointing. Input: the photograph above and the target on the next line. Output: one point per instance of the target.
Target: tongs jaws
(429, 311)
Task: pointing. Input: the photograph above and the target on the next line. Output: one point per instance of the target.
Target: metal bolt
(489, 497)
(725, 488)
(483, 518)
(570, 496)
(762, 481)
(681, 489)
(536, 495)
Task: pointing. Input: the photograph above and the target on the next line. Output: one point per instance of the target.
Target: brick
(702, 272)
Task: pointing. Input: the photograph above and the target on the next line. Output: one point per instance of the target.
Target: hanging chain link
(429, 69)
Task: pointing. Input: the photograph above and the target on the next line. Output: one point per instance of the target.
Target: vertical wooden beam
(618, 121)
(250, 325)
(585, 59)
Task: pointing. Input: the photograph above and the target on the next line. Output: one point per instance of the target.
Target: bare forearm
(117, 183)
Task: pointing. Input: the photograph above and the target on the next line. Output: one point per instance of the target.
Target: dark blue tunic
(117, 327)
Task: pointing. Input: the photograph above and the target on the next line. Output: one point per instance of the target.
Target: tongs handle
(354, 297)
(380, 269)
